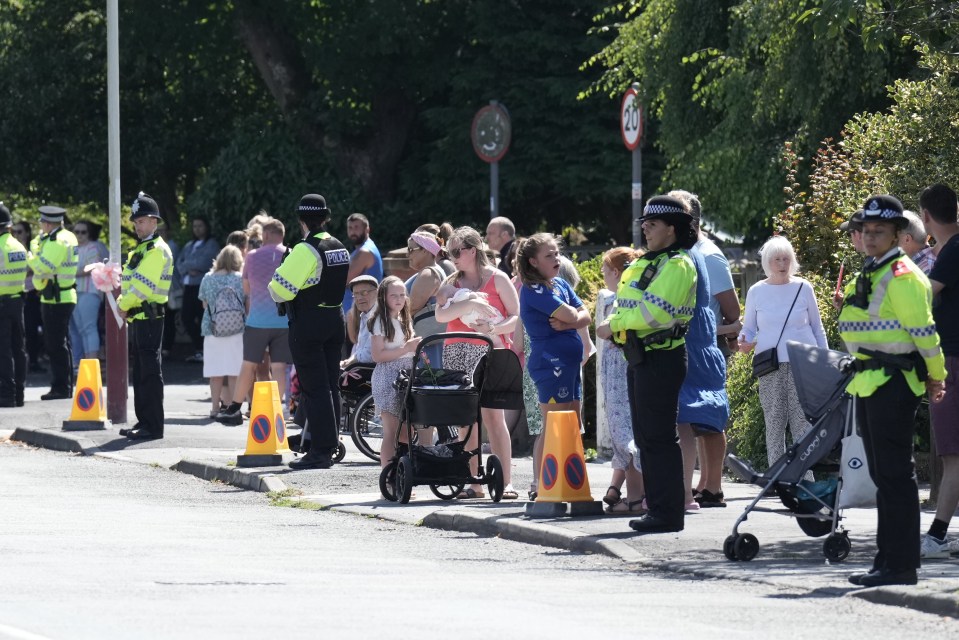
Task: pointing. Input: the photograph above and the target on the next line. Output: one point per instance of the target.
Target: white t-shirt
(399, 339)
(766, 309)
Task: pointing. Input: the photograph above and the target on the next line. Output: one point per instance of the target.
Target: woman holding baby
(478, 297)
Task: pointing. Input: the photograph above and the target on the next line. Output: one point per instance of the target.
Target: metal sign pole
(493, 189)
(637, 195)
(117, 358)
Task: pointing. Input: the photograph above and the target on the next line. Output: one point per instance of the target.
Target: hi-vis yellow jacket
(53, 259)
(13, 265)
(897, 321)
(147, 275)
(668, 300)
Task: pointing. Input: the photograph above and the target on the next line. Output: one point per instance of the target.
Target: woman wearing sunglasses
(492, 292)
(84, 328)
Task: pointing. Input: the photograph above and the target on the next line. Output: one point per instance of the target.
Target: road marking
(19, 634)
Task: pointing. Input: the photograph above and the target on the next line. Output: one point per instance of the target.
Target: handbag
(858, 489)
(767, 360)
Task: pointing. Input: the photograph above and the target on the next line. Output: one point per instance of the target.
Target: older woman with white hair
(779, 309)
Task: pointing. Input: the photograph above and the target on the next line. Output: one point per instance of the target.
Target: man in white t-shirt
(724, 303)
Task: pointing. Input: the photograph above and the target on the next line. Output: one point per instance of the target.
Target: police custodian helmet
(144, 207)
(5, 219)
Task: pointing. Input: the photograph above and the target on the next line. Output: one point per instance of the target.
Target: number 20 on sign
(631, 119)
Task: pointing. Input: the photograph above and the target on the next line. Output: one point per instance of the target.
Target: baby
(452, 294)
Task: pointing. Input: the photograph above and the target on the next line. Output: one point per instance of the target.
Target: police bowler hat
(672, 209)
(144, 207)
(312, 205)
(884, 208)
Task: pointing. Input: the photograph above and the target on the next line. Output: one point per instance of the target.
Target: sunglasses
(414, 249)
(363, 292)
(455, 252)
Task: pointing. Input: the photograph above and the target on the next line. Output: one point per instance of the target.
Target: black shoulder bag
(767, 361)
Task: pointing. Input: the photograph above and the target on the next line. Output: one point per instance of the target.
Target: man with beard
(365, 259)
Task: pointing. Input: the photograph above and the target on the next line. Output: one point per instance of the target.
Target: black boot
(313, 460)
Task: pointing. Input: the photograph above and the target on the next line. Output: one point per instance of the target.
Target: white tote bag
(858, 489)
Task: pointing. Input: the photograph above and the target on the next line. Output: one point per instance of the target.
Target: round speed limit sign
(631, 119)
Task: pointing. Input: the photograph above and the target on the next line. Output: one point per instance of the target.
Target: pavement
(787, 558)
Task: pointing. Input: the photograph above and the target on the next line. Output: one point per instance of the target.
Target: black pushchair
(443, 398)
(821, 378)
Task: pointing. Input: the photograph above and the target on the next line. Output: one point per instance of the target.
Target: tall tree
(732, 82)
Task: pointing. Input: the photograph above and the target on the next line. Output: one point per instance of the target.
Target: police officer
(886, 322)
(13, 355)
(655, 302)
(143, 295)
(310, 284)
(53, 259)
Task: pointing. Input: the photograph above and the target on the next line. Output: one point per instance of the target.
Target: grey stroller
(821, 379)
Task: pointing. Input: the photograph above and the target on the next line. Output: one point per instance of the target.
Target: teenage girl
(391, 326)
(612, 375)
(551, 313)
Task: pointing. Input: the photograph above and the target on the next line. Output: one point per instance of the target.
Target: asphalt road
(96, 548)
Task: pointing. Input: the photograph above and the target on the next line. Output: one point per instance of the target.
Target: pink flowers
(105, 275)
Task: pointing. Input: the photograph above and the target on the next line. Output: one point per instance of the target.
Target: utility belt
(153, 310)
(635, 347)
(53, 289)
(291, 310)
(890, 363)
(12, 296)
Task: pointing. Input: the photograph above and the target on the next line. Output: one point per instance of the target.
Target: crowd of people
(667, 323)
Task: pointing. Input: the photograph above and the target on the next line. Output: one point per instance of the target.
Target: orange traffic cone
(89, 411)
(563, 482)
(266, 437)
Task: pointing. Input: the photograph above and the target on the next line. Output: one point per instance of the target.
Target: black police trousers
(316, 338)
(13, 355)
(653, 388)
(887, 421)
(56, 339)
(146, 336)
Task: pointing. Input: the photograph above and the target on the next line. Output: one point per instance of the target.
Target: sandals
(613, 496)
(624, 508)
(469, 493)
(509, 493)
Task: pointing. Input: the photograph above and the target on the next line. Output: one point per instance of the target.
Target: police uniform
(143, 295)
(886, 322)
(655, 301)
(13, 356)
(53, 260)
(310, 284)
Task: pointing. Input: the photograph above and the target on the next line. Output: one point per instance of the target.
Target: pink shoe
(692, 506)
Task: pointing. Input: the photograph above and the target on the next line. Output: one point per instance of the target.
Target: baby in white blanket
(461, 295)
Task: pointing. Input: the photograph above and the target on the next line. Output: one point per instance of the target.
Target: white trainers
(954, 547)
(933, 548)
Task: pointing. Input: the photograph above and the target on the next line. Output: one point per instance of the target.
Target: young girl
(391, 325)
(551, 313)
(612, 375)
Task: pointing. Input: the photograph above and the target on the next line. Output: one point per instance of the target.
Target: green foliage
(731, 83)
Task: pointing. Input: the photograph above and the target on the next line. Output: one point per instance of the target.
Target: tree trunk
(370, 158)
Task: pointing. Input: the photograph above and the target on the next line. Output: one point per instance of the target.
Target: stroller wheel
(746, 547)
(388, 480)
(729, 547)
(446, 491)
(836, 547)
(404, 480)
(340, 452)
(494, 478)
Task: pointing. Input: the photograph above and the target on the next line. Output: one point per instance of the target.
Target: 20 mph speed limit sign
(631, 119)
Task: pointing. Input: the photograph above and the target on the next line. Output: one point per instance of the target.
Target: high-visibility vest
(53, 260)
(13, 265)
(318, 255)
(667, 300)
(898, 321)
(146, 276)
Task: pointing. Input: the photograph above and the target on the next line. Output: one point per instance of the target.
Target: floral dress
(613, 379)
